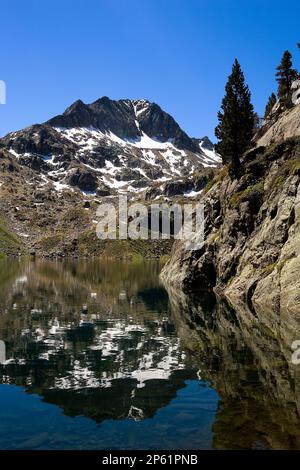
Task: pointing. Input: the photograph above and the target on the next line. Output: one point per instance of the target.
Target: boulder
(83, 179)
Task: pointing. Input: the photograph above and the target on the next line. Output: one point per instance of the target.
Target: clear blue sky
(177, 53)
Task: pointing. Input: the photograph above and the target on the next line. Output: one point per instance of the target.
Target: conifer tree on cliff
(270, 104)
(285, 76)
(236, 121)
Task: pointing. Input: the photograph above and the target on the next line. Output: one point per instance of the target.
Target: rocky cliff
(279, 128)
(252, 246)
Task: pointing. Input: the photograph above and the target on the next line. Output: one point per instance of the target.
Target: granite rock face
(251, 251)
(280, 127)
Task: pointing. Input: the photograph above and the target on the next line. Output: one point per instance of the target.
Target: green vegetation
(220, 176)
(215, 237)
(291, 165)
(8, 270)
(278, 265)
(269, 268)
(285, 76)
(50, 242)
(236, 121)
(278, 182)
(270, 104)
(87, 244)
(246, 194)
(9, 243)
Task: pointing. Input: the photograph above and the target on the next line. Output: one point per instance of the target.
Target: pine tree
(256, 123)
(285, 76)
(236, 121)
(270, 104)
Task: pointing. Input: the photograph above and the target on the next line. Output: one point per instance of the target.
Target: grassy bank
(9, 243)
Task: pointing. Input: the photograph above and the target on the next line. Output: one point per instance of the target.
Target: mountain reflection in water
(153, 367)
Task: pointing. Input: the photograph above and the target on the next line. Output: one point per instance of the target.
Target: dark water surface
(99, 355)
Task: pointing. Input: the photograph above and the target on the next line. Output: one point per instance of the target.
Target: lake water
(100, 355)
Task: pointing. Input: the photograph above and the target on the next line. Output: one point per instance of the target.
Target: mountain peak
(111, 146)
(75, 107)
(125, 118)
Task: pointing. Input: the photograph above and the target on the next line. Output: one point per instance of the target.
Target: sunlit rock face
(283, 126)
(251, 250)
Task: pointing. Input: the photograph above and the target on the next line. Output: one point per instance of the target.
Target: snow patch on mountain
(113, 146)
(211, 155)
